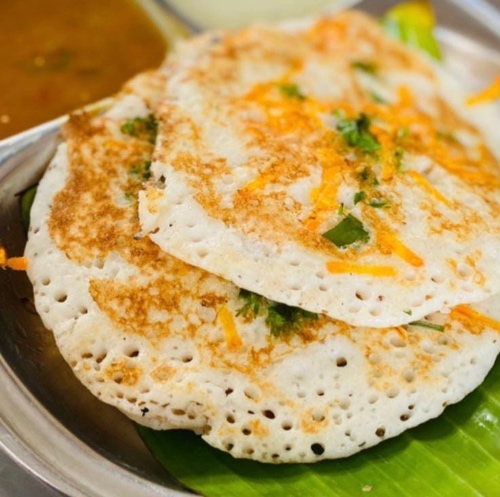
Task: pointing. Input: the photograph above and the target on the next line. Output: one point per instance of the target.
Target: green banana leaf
(456, 455)
(27, 199)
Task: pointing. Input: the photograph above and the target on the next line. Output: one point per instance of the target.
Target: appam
(328, 167)
(173, 346)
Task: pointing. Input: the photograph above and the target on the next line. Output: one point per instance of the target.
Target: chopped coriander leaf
(367, 175)
(426, 324)
(356, 133)
(291, 90)
(141, 170)
(350, 230)
(365, 66)
(379, 203)
(359, 197)
(447, 136)
(129, 197)
(377, 98)
(408, 312)
(282, 318)
(403, 133)
(276, 319)
(253, 303)
(341, 209)
(146, 127)
(398, 157)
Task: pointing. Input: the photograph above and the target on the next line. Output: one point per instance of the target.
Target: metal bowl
(49, 422)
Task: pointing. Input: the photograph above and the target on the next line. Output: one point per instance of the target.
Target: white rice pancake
(169, 345)
(271, 137)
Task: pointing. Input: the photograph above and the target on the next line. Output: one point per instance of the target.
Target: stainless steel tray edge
(70, 465)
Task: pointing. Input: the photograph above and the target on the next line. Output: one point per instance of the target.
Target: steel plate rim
(37, 449)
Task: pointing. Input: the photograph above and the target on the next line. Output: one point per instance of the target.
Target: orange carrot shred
(489, 94)
(17, 263)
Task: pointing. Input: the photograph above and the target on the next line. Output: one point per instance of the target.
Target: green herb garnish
(141, 171)
(426, 324)
(379, 203)
(403, 133)
(291, 90)
(129, 197)
(408, 312)
(447, 136)
(368, 176)
(359, 197)
(365, 66)
(350, 230)
(398, 156)
(377, 98)
(341, 209)
(375, 202)
(141, 127)
(253, 304)
(280, 318)
(356, 133)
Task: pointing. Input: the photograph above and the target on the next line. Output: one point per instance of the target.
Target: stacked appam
(286, 239)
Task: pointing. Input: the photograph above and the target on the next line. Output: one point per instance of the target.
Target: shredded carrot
(15, 263)
(312, 223)
(226, 319)
(405, 97)
(389, 163)
(480, 178)
(489, 94)
(388, 241)
(343, 267)
(258, 183)
(468, 312)
(324, 197)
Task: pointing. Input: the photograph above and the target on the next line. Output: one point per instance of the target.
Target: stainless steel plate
(48, 421)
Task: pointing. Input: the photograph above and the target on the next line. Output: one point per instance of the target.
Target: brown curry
(57, 55)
